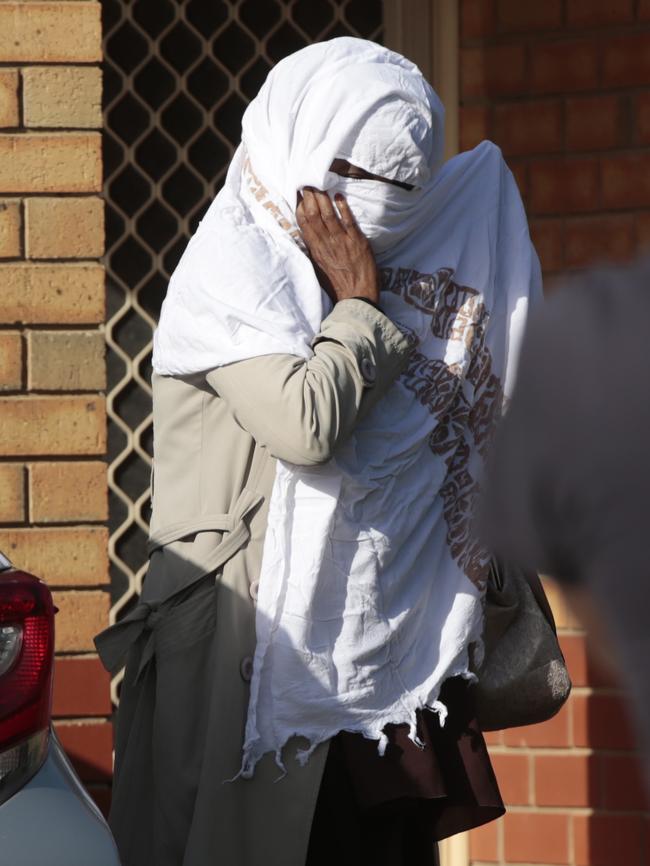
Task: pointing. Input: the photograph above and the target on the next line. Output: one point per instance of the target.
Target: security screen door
(178, 75)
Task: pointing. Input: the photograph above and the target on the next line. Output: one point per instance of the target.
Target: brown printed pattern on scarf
(433, 382)
(262, 195)
(457, 313)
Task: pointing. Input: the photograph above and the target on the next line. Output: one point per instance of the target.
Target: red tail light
(26, 659)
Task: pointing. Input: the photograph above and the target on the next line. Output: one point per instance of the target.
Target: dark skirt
(390, 810)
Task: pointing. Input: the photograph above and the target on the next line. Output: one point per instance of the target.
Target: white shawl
(371, 582)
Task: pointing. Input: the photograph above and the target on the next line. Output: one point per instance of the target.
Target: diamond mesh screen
(178, 75)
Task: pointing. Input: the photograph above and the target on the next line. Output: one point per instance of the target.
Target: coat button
(253, 589)
(368, 370)
(246, 669)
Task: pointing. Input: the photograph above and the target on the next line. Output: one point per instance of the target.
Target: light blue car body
(53, 821)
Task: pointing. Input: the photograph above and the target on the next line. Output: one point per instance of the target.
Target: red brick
(642, 231)
(607, 840)
(597, 13)
(81, 687)
(477, 18)
(626, 180)
(626, 60)
(474, 124)
(584, 669)
(622, 783)
(566, 780)
(564, 186)
(560, 601)
(520, 172)
(531, 837)
(600, 238)
(89, 746)
(601, 722)
(642, 117)
(603, 671)
(505, 70)
(515, 16)
(498, 70)
(529, 127)
(484, 843)
(493, 738)
(595, 123)
(513, 774)
(548, 237)
(552, 734)
(472, 72)
(564, 67)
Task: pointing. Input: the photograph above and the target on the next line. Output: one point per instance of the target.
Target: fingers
(339, 251)
(328, 214)
(308, 218)
(318, 213)
(347, 217)
(308, 212)
(312, 210)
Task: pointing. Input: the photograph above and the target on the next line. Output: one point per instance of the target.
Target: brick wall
(563, 87)
(53, 498)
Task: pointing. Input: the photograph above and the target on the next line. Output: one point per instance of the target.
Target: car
(46, 815)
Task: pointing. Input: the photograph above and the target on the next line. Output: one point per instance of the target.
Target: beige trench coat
(215, 440)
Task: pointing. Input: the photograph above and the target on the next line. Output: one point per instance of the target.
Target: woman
(314, 587)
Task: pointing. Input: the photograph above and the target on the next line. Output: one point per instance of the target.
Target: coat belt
(114, 643)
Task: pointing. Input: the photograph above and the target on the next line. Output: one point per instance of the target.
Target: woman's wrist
(367, 300)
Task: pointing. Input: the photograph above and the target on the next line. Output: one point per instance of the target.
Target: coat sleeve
(300, 409)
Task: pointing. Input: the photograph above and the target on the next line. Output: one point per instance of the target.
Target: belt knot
(151, 614)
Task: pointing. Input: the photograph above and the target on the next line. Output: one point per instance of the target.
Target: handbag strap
(533, 581)
(537, 590)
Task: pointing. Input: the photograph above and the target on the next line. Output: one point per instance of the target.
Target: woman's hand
(339, 251)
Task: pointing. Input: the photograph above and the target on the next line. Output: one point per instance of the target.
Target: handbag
(522, 678)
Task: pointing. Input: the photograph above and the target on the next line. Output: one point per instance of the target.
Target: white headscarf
(371, 582)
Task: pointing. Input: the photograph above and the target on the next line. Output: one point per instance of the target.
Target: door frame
(426, 31)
